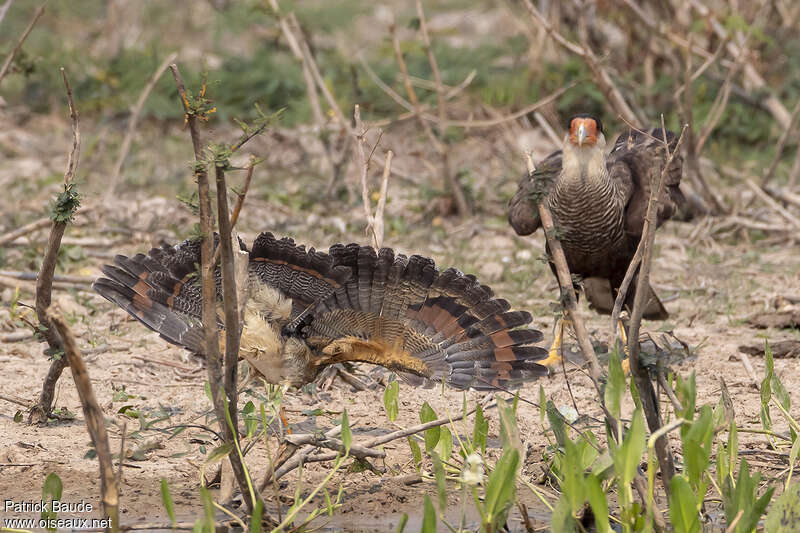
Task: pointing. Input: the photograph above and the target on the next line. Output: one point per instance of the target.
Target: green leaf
(501, 488)
(615, 387)
(441, 481)
(347, 434)
(556, 423)
(572, 483)
(562, 520)
(390, 400)
(509, 433)
(219, 453)
(51, 490)
(784, 515)
(766, 384)
(401, 526)
(781, 394)
(682, 506)
(427, 414)
(480, 431)
(428, 517)
(542, 405)
(629, 454)
(598, 502)
(445, 445)
(250, 418)
(166, 499)
(255, 520)
(416, 453)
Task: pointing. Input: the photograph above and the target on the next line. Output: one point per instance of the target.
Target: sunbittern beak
(581, 134)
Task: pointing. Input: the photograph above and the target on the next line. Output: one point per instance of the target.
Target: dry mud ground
(712, 285)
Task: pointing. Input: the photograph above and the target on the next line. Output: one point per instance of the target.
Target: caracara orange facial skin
(583, 131)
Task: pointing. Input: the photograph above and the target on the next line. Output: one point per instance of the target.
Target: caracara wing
(635, 162)
(402, 313)
(161, 290)
(522, 211)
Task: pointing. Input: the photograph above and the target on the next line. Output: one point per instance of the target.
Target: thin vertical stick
(137, 110)
(450, 178)
(93, 414)
(10, 58)
(640, 374)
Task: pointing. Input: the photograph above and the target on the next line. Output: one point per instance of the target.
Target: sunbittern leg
(554, 355)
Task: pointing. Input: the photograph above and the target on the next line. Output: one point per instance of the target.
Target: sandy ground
(712, 287)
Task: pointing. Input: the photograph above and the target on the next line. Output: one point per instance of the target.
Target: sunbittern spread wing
(308, 309)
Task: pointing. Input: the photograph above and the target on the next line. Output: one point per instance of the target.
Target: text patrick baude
(54, 506)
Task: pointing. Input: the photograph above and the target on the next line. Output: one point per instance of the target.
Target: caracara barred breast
(599, 203)
(308, 309)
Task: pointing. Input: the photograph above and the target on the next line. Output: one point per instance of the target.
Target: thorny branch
(44, 282)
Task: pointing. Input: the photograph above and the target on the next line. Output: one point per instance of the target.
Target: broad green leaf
(219, 453)
(427, 414)
(686, 391)
(441, 481)
(556, 423)
(428, 517)
(509, 433)
(682, 506)
(781, 394)
(51, 490)
(615, 387)
(501, 487)
(598, 502)
(480, 431)
(629, 454)
(390, 399)
(166, 498)
(784, 515)
(445, 445)
(416, 453)
(250, 418)
(572, 483)
(347, 434)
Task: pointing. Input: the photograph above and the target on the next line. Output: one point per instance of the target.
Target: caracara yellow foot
(623, 335)
(554, 355)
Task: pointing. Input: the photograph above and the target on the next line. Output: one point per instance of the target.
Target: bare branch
(44, 283)
(640, 374)
(781, 144)
(137, 110)
(4, 9)
(10, 58)
(93, 415)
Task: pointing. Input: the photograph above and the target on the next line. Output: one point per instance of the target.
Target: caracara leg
(554, 355)
(623, 335)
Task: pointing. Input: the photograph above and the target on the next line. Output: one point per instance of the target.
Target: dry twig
(93, 415)
(374, 222)
(639, 372)
(10, 58)
(209, 314)
(44, 283)
(137, 110)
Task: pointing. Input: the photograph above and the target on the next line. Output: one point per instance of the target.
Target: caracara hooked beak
(584, 130)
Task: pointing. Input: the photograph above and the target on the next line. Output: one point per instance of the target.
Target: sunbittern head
(585, 131)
